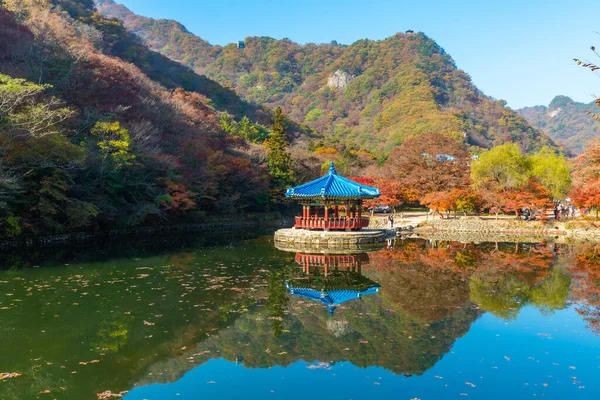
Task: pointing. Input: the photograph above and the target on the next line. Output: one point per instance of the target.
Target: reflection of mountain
(372, 331)
(366, 333)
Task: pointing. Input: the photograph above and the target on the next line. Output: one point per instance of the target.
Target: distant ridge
(565, 121)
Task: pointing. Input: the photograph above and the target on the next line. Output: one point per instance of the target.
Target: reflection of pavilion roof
(332, 186)
(331, 298)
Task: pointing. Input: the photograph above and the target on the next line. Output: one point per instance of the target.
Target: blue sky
(520, 51)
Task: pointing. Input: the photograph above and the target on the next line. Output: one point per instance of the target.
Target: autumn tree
(392, 192)
(430, 163)
(586, 176)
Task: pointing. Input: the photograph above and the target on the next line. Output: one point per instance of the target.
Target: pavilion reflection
(331, 279)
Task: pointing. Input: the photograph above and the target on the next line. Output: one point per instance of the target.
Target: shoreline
(580, 230)
(81, 238)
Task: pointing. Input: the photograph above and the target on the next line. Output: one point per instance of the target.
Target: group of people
(563, 210)
(560, 211)
(527, 214)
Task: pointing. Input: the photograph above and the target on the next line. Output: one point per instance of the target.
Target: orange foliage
(180, 199)
(392, 191)
(326, 150)
(530, 195)
(586, 176)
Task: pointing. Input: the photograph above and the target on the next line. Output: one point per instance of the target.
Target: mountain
(565, 121)
(96, 132)
(366, 97)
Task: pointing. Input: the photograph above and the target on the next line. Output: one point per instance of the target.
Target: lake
(232, 316)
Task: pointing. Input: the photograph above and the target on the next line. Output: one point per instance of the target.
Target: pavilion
(322, 199)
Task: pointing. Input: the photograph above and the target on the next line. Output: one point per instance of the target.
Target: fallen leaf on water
(149, 323)
(8, 375)
(108, 395)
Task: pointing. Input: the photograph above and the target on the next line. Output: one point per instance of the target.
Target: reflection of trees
(416, 282)
(587, 288)
(504, 294)
(430, 279)
(277, 301)
(552, 292)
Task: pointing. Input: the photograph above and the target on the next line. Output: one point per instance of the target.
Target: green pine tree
(278, 159)
(228, 123)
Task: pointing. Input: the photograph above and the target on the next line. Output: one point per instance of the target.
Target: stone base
(329, 242)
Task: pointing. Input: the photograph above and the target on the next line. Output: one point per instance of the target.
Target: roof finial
(332, 170)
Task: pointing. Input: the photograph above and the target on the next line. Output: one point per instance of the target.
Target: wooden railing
(331, 223)
(336, 260)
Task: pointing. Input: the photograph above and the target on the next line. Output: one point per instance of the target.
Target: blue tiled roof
(330, 298)
(332, 185)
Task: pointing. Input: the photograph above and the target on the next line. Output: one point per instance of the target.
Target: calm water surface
(238, 318)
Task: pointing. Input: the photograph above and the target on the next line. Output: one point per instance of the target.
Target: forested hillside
(566, 121)
(365, 98)
(89, 141)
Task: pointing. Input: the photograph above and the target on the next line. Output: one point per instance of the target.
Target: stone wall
(489, 227)
(301, 239)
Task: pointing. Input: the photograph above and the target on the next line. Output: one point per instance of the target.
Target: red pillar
(336, 212)
(326, 212)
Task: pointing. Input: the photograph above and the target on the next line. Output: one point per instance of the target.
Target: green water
(187, 318)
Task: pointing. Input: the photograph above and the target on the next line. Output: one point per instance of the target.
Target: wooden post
(336, 213)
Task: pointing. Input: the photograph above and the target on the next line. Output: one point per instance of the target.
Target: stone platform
(330, 242)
